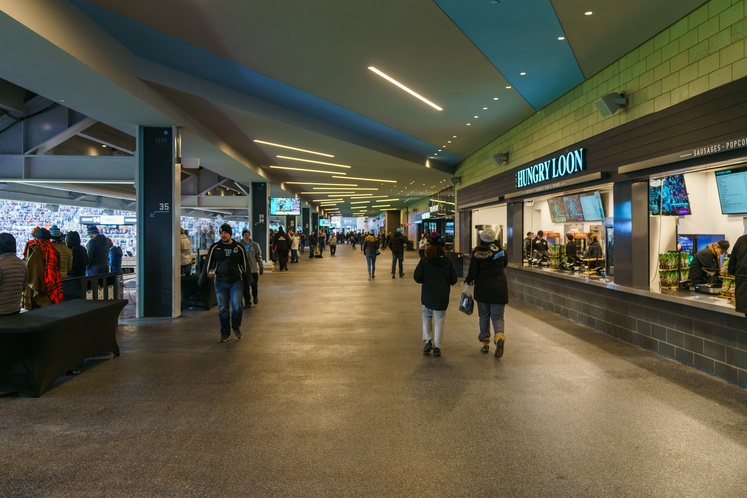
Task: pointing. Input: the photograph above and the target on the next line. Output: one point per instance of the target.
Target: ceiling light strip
(314, 162)
(344, 188)
(293, 148)
(403, 87)
(321, 183)
(366, 179)
(308, 170)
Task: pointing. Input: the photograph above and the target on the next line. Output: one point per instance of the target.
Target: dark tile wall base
(709, 341)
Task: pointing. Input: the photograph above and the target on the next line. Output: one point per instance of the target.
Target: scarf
(52, 277)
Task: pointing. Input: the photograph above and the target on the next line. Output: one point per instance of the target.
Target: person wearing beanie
(397, 244)
(227, 259)
(491, 289)
(44, 282)
(371, 250)
(13, 276)
(706, 264)
(436, 273)
(66, 255)
(738, 268)
(97, 249)
(80, 255)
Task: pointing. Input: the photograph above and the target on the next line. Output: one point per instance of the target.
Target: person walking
(371, 249)
(256, 265)
(332, 244)
(491, 289)
(436, 274)
(282, 244)
(295, 244)
(227, 259)
(397, 244)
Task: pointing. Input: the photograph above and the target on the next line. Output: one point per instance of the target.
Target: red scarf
(52, 276)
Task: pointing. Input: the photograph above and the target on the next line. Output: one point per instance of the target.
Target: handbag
(466, 301)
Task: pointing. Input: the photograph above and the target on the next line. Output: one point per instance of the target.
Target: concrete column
(158, 201)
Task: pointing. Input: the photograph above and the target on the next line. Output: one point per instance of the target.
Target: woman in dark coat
(437, 274)
(491, 289)
(738, 268)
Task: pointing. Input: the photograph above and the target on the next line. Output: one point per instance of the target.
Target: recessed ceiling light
(484, 108)
(469, 124)
(449, 141)
(403, 87)
(496, 98)
(308, 170)
(508, 87)
(522, 73)
(561, 38)
(453, 136)
(364, 179)
(328, 184)
(588, 13)
(293, 148)
(63, 101)
(103, 145)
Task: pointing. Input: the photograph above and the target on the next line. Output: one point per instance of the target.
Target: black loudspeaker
(455, 180)
(500, 158)
(610, 103)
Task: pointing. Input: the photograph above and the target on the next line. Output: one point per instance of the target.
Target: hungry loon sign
(553, 168)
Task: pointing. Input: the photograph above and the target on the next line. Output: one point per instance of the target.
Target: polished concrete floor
(329, 394)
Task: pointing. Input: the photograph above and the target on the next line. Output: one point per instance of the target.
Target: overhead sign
(556, 167)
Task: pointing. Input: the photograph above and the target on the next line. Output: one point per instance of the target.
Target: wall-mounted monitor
(732, 190)
(323, 222)
(573, 209)
(289, 206)
(591, 204)
(668, 196)
(557, 210)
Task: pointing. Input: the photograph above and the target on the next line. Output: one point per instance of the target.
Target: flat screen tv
(732, 190)
(557, 210)
(591, 204)
(285, 206)
(668, 196)
(573, 209)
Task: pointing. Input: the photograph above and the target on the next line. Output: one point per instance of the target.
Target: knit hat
(487, 235)
(723, 244)
(92, 230)
(225, 227)
(55, 232)
(435, 239)
(42, 233)
(7, 243)
(399, 230)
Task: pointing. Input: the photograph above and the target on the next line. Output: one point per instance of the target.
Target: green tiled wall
(700, 52)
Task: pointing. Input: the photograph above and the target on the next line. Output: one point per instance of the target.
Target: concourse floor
(328, 394)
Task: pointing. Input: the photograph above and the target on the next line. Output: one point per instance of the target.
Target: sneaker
(485, 346)
(436, 351)
(237, 332)
(428, 347)
(256, 300)
(224, 338)
(500, 340)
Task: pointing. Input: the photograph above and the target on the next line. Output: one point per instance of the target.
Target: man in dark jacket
(80, 255)
(228, 259)
(738, 268)
(540, 249)
(397, 244)
(491, 289)
(97, 248)
(281, 244)
(705, 265)
(436, 272)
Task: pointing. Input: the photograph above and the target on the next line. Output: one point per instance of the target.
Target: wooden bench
(38, 346)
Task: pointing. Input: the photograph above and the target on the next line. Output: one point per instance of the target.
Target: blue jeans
(490, 313)
(371, 263)
(397, 257)
(433, 325)
(294, 255)
(233, 294)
